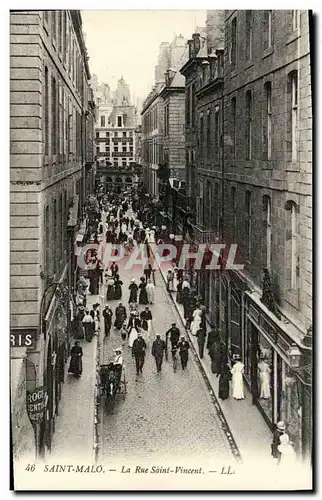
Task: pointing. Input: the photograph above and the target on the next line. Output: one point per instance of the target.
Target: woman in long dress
(120, 316)
(224, 379)
(237, 380)
(143, 296)
(195, 325)
(264, 372)
(133, 327)
(117, 288)
(133, 292)
(179, 291)
(150, 291)
(110, 287)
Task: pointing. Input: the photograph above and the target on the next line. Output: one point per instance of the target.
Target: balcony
(203, 235)
(122, 154)
(185, 203)
(123, 140)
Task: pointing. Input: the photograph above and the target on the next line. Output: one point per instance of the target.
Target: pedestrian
(287, 453)
(110, 286)
(203, 322)
(123, 332)
(237, 379)
(146, 321)
(138, 352)
(107, 315)
(264, 373)
(278, 432)
(201, 339)
(183, 347)
(96, 317)
(158, 348)
(76, 354)
(170, 280)
(179, 291)
(88, 326)
(174, 334)
(143, 296)
(212, 336)
(114, 269)
(218, 355)
(196, 321)
(133, 327)
(133, 292)
(120, 316)
(117, 287)
(224, 379)
(150, 291)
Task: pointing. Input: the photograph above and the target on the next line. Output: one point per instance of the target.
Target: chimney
(196, 42)
(191, 49)
(169, 76)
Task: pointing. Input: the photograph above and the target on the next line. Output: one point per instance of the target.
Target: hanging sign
(36, 404)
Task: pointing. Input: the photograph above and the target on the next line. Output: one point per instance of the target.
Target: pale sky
(127, 42)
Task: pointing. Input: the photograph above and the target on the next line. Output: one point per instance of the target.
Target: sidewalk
(74, 433)
(248, 427)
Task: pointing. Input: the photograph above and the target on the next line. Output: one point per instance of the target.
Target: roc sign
(36, 405)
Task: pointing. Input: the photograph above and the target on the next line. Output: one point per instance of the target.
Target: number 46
(30, 468)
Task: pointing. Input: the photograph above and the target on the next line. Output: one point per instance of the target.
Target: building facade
(267, 207)
(115, 136)
(51, 143)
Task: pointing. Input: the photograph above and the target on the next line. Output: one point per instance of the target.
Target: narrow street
(163, 415)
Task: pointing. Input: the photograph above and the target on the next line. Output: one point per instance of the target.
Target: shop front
(271, 359)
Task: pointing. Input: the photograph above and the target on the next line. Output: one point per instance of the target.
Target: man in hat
(118, 359)
(201, 338)
(279, 430)
(183, 347)
(107, 315)
(158, 348)
(138, 352)
(174, 334)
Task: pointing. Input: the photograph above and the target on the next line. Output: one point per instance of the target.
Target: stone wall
(282, 179)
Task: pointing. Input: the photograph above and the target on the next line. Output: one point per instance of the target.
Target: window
(268, 88)
(46, 112)
(249, 34)
(131, 149)
(193, 104)
(188, 105)
(55, 246)
(248, 125)
(65, 34)
(53, 115)
(130, 134)
(294, 98)
(124, 149)
(268, 34)
(119, 121)
(234, 214)
(103, 121)
(209, 135)
(294, 258)
(217, 209)
(268, 232)
(296, 19)
(107, 134)
(123, 163)
(97, 135)
(248, 225)
(124, 134)
(201, 137)
(60, 29)
(115, 164)
(233, 54)
(233, 124)
(115, 134)
(97, 150)
(217, 134)
(47, 262)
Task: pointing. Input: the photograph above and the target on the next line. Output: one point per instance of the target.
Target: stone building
(158, 144)
(115, 136)
(51, 144)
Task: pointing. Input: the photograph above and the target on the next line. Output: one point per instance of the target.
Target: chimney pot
(196, 42)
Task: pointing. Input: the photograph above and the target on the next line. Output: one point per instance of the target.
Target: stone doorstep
(265, 435)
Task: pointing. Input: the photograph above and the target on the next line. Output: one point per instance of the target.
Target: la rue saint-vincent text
(172, 470)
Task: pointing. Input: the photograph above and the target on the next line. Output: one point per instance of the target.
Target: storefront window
(289, 403)
(265, 374)
(235, 324)
(217, 302)
(248, 350)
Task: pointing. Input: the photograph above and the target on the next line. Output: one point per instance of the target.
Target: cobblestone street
(163, 415)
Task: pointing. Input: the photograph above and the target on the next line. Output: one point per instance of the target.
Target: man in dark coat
(183, 347)
(203, 323)
(138, 352)
(158, 348)
(212, 336)
(107, 315)
(174, 334)
(201, 339)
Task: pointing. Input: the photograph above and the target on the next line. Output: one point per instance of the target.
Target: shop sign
(36, 404)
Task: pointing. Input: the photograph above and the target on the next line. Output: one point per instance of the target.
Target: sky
(125, 42)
